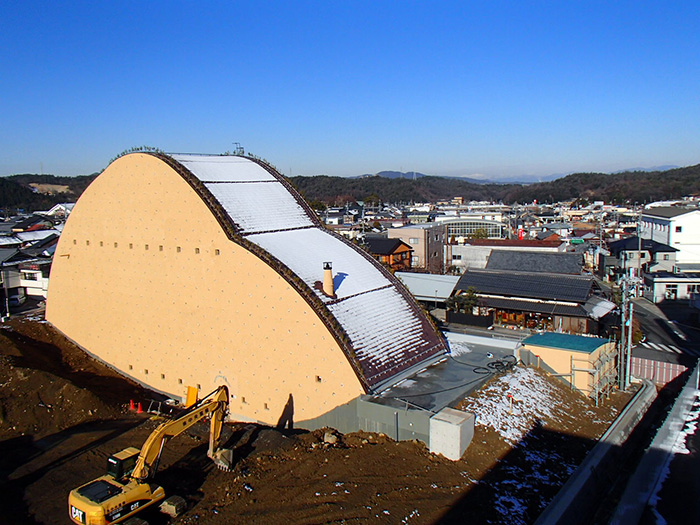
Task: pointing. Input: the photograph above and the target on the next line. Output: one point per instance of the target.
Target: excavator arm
(213, 406)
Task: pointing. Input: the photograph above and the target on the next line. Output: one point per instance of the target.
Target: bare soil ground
(62, 414)
(50, 189)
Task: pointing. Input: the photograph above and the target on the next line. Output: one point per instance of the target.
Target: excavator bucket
(223, 459)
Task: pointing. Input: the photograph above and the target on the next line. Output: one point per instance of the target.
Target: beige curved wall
(145, 279)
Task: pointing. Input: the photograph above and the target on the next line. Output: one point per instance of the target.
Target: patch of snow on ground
(677, 447)
(690, 427)
(532, 400)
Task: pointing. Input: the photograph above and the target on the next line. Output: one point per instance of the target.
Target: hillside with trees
(635, 186)
(17, 192)
(630, 187)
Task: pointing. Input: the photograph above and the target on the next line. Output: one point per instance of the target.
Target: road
(664, 334)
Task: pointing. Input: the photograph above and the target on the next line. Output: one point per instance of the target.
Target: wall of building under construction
(145, 279)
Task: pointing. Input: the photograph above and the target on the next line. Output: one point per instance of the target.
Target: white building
(676, 227)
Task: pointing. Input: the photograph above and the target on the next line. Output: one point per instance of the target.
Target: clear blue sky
(346, 88)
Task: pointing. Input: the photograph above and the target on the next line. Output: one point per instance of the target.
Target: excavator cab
(121, 464)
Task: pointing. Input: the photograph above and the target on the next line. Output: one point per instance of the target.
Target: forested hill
(31, 192)
(637, 186)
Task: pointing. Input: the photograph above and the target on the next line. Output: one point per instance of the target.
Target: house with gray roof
(538, 301)
(645, 255)
(540, 262)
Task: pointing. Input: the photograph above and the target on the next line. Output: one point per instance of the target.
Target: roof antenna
(238, 150)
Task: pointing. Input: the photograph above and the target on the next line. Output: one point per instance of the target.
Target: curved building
(202, 270)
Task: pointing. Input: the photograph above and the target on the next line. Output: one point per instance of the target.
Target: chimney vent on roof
(328, 287)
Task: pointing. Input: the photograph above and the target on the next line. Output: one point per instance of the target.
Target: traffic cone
(139, 411)
(131, 405)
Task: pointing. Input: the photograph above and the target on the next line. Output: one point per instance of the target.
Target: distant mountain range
(519, 179)
(416, 175)
(629, 186)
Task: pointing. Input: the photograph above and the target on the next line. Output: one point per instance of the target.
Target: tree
(466, 301)
(479, 233)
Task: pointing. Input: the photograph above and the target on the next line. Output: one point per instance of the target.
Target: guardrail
(588, 482)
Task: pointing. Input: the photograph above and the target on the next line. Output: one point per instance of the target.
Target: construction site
(64, 414)
(200, 316)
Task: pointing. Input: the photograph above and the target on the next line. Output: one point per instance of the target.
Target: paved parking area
(473, 360)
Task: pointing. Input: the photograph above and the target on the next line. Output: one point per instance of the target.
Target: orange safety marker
(139, 411)
(131, 405)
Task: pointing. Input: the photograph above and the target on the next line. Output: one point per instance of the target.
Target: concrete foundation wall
(364, 414)
(448, 432)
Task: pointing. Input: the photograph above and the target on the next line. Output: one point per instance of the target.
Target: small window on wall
(679, 229)
(413, 240)
(30, 276)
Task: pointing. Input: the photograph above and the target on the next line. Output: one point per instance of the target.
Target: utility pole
(628, 369)
(622, 364)
(3, 274)
(626, 333)
(639, 252)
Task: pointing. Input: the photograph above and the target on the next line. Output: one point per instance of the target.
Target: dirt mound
(64, 413)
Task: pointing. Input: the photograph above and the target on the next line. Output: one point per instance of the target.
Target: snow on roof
(428, 286)
(244, 201)
(388, 335)
(598, 307)
(36, 235)
(304, 252)
(219, 168)
(9, 240)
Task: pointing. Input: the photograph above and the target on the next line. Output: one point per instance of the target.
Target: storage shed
(585, 363)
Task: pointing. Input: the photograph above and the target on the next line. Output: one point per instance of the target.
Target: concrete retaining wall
(656, 458)
(590, 480)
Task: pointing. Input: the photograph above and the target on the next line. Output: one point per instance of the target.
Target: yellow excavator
(128, 487)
